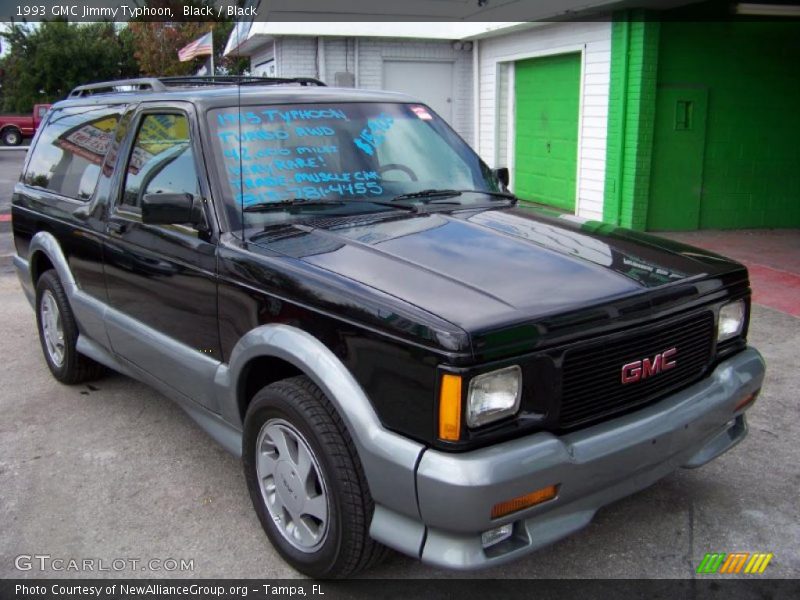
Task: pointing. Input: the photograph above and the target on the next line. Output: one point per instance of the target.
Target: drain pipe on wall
(626, 40)
(476, 93)
(321, 59)
(355, 62)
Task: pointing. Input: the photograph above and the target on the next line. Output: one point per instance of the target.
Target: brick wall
(632, 97)
(751, 167)
(296, 57)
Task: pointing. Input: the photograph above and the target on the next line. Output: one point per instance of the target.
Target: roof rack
(163, 84)
(238, 79)
(120, 85)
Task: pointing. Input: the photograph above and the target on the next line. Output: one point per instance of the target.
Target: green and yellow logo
(736, 562)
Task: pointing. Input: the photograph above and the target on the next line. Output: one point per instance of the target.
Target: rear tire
(306, 481)
(58, 333)
(12, 137)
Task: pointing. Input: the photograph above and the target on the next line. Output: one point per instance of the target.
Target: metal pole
(213, 72)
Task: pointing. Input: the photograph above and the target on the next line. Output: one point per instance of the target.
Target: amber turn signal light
(526, 501)
(450, 407)
(745, 401)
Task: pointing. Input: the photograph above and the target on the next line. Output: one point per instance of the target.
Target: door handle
(117, 226)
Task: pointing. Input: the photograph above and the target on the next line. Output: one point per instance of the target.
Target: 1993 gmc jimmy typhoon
(340, 291)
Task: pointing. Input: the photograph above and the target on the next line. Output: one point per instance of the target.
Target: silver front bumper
(592, 468)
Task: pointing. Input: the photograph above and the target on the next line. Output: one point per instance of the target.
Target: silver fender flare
(389, 460)
(88, 311)
(46, 243)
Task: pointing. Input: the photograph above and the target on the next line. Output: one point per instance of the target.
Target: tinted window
(419, 149)
(71, 149)
(350, 153)
(162, 161)
(116, 142)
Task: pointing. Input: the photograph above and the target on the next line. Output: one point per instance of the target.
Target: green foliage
(156, 44)
(43, 64)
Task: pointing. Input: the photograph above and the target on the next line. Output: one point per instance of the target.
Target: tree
(43, 64)
(156, 44)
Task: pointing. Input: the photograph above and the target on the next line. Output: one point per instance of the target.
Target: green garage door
(546, 144)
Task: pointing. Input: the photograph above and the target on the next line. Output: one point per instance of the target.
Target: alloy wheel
(292, 485)
(52, 328)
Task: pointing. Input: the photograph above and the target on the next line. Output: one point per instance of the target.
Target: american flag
(202, 46)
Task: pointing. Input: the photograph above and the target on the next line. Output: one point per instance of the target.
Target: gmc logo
(642, 369)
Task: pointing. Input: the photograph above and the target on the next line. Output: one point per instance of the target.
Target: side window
(161, 161)
(71, 149)
(42, 111)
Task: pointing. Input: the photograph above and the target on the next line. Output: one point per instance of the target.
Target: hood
(485, 270)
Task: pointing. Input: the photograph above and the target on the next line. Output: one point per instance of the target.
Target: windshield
(341, 158)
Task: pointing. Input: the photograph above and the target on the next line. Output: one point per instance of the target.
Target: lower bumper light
(496, 535)
(749, 399)
(509, 506)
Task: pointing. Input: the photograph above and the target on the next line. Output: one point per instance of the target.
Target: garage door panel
(430, 81)
(546, 121)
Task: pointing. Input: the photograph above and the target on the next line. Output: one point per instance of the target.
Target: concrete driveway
(113, 470)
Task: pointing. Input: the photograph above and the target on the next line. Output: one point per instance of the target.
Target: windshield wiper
(432, 193)
(296, 202)
(283, 204)
(505, 195)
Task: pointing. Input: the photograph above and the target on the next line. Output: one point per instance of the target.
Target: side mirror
(502, 176)
(171, 209)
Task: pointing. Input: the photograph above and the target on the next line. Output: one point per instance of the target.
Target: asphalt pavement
(113, 470)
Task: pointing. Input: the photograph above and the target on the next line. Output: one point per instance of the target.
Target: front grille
(592, 385)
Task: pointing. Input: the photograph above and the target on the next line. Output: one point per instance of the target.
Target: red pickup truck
(15, 128)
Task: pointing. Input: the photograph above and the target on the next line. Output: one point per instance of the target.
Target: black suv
(338, 289)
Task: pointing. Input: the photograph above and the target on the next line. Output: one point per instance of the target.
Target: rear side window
(71, 149)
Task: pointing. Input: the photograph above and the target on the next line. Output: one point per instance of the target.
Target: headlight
(493, 396)
(731, 320)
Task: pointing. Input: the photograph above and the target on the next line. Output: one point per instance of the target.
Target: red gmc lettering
(666, 364)
(642, 369)
(649, 369)
(632, 372)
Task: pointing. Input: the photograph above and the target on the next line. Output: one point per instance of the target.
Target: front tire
(12, 137)
(306, 481)
(58, 333)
